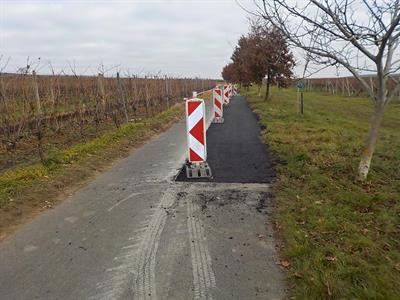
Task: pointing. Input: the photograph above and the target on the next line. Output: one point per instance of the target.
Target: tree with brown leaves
(262, 53)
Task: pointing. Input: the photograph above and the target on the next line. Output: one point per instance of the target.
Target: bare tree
(360, 35)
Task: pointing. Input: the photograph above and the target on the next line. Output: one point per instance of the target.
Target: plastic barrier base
(218, 120)
(200, 170)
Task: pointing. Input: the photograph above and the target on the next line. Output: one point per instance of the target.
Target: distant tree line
(261, 55)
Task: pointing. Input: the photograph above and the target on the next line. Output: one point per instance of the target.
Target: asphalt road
(235, 152)
(135, 233)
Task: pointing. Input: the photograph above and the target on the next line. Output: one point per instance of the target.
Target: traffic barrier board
(195, 122)
(196, 166)
(218, 106)
(226, 94)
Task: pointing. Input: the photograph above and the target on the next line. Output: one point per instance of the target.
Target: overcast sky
(184, 38)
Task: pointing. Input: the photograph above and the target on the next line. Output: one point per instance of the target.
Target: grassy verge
(27, 190)
(340, 240)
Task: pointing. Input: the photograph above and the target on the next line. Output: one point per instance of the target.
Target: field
(349, 86)
(43, 114)
(338, 239)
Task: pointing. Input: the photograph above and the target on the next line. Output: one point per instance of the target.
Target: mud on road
(230, 247)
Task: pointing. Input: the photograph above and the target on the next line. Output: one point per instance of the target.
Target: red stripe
(218, 92)
(192, 105)
(217, 103)
(198, 131)
(193, 156)
(216, 114)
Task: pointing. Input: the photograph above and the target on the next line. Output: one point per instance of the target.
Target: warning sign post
(218, 106)
(196, 166)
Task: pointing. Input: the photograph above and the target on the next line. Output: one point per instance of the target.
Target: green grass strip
(13, 181)
(342, 239)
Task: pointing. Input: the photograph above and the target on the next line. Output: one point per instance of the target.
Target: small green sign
(300, 85)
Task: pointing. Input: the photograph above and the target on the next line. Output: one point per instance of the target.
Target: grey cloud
(189, 38)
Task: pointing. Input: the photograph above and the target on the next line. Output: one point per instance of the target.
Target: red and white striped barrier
(196, 124)
(196, 135)
(194, 95)
(235, 92)
(218, 106)
(230, 89)
(226, 94)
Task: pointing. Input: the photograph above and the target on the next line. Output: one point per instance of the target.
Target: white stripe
(197, 147)
(192, 120)
(226, 99)
(217, 97)
(196, 115)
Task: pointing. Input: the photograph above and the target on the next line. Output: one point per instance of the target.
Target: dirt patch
(232, 199)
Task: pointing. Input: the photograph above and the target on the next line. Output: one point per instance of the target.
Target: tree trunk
(147, 100)
(167, 91)
(122, 97)
(268, 85)
(102, 92)
(369, 149)
(301, 108)
(36, 93)
(259, 89)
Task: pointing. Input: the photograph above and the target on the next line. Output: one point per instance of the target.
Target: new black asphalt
(236, 153)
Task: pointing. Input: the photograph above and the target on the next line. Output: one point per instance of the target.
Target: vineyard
(43, 113)
(347, 86)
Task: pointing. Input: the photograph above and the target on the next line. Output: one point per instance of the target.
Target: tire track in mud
(136, 270)
(203, 275)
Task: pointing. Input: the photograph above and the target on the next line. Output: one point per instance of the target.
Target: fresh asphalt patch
(235, 152)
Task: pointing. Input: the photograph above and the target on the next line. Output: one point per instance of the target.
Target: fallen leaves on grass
(284, 263)
(331, 258)
(397, 267)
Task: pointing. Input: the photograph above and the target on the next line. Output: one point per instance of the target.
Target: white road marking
(123, 200)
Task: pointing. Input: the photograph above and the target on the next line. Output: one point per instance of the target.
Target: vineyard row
(33, 106)
(348, 86)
